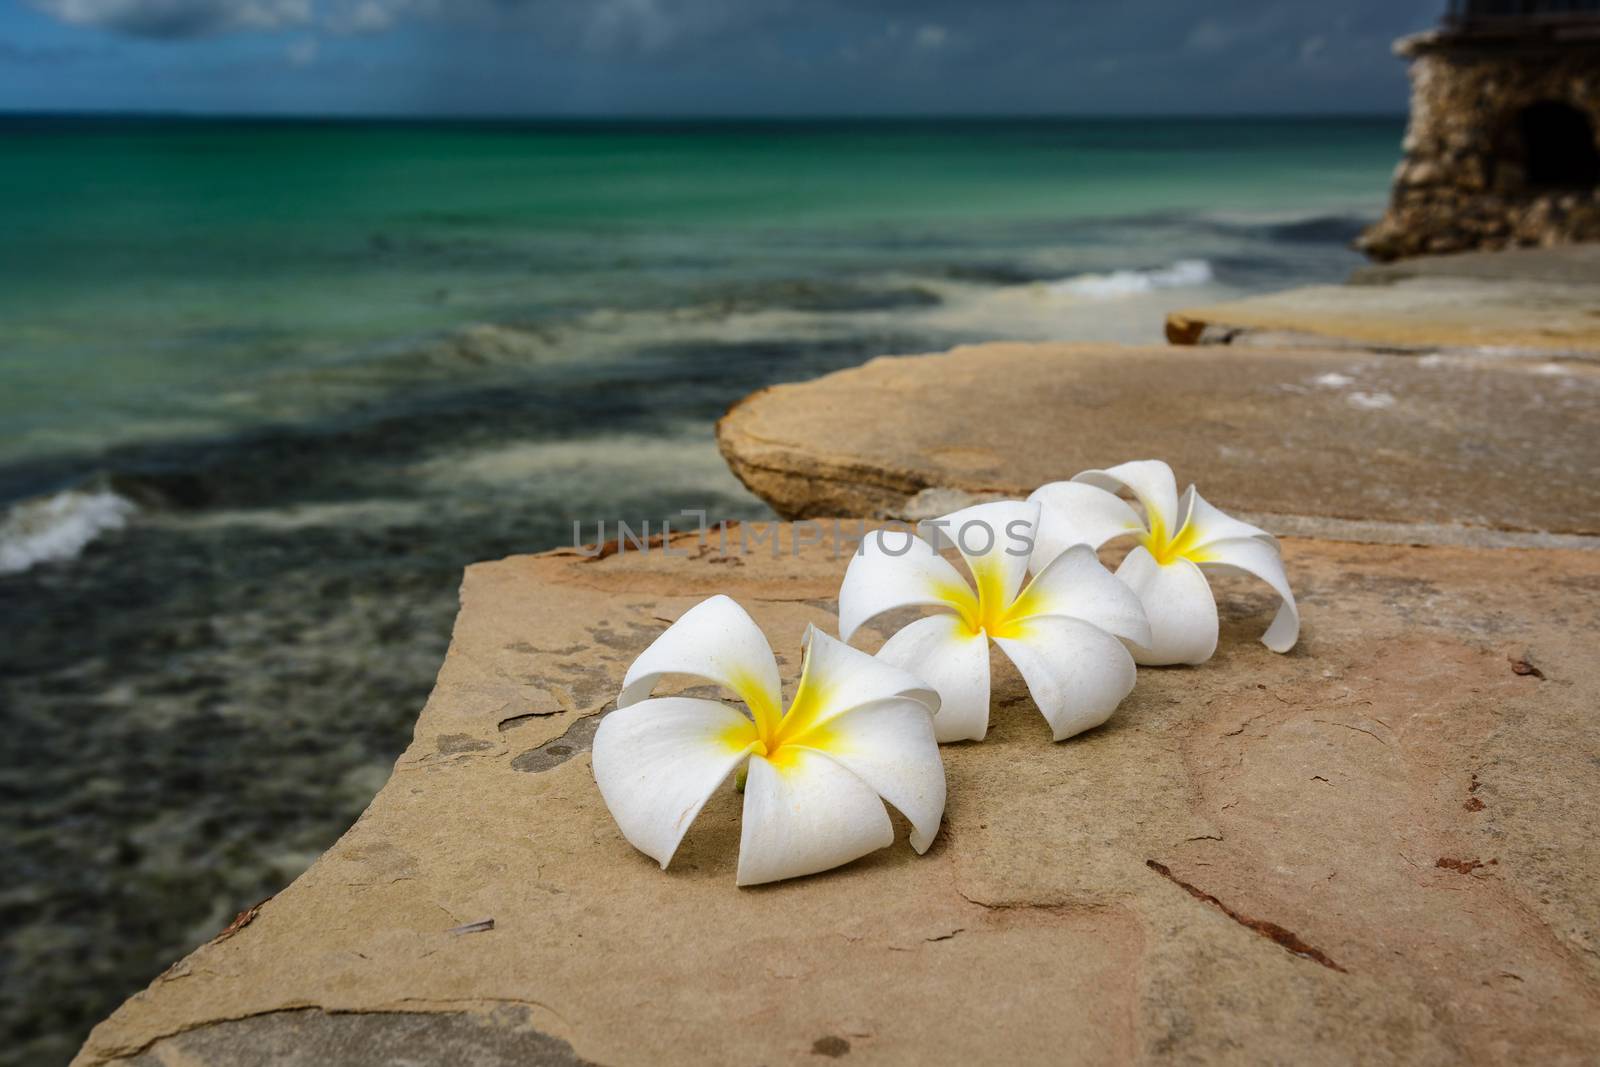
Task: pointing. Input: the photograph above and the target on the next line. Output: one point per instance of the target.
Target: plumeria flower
(857, 730)
(1180, 540)
(1062, 630)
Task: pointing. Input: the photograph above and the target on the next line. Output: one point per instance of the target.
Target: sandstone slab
(1377, 848)
(1350, 443)
(1411, 312)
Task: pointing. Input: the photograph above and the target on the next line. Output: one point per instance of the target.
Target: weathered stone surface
(1378, 848)
(1431, 450)
(1435, 312)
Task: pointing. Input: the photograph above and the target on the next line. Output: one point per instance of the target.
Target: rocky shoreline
(1374, 848)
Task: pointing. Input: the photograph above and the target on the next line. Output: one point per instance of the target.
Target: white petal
(1151, 481)
(995, 539)
(1076, 513)
(657, 762)
(805, 814)
(1078, 586)
(836, 678)
(1076, 672)
(1210, 524)
(1251, 555)
(943, 652)
(1177, 601)
(881, 578)
(890, 746)
(717, 641)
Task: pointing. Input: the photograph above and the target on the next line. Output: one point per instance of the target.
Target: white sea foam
(293, 517)
(1180, 275)
(1333, 380)
(58, 526)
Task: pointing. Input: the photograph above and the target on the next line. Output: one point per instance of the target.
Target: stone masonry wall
(1462, 184)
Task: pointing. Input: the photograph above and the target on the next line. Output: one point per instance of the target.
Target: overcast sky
(708, 57)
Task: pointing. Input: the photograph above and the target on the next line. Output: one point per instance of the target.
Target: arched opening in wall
(1558, 148)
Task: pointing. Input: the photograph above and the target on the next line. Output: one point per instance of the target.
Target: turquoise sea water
(266, 387)
(150, 265)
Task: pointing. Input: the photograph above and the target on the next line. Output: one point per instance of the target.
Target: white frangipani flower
(857, 730)
(1063, 630)
(1180, 538)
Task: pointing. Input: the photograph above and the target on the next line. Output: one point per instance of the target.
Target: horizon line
(664, 118)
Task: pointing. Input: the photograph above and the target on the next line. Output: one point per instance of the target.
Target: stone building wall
(1464, 181)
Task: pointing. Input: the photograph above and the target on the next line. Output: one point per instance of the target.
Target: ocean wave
(1320, 229)
(290, 518)
(1337, 227)
(58, 526)
(820, 295)
(1118, 283)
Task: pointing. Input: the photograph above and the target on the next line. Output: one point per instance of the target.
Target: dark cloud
(179, 19)
(833, 56)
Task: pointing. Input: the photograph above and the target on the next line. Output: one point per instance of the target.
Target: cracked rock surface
(1378, 848)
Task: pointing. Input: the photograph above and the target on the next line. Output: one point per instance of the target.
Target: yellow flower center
(1168, 549)
(766, 714)
(778, 735)
(801, 725)
(991, 610)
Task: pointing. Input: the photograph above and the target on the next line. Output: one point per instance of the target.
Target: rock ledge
(1376, 848)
